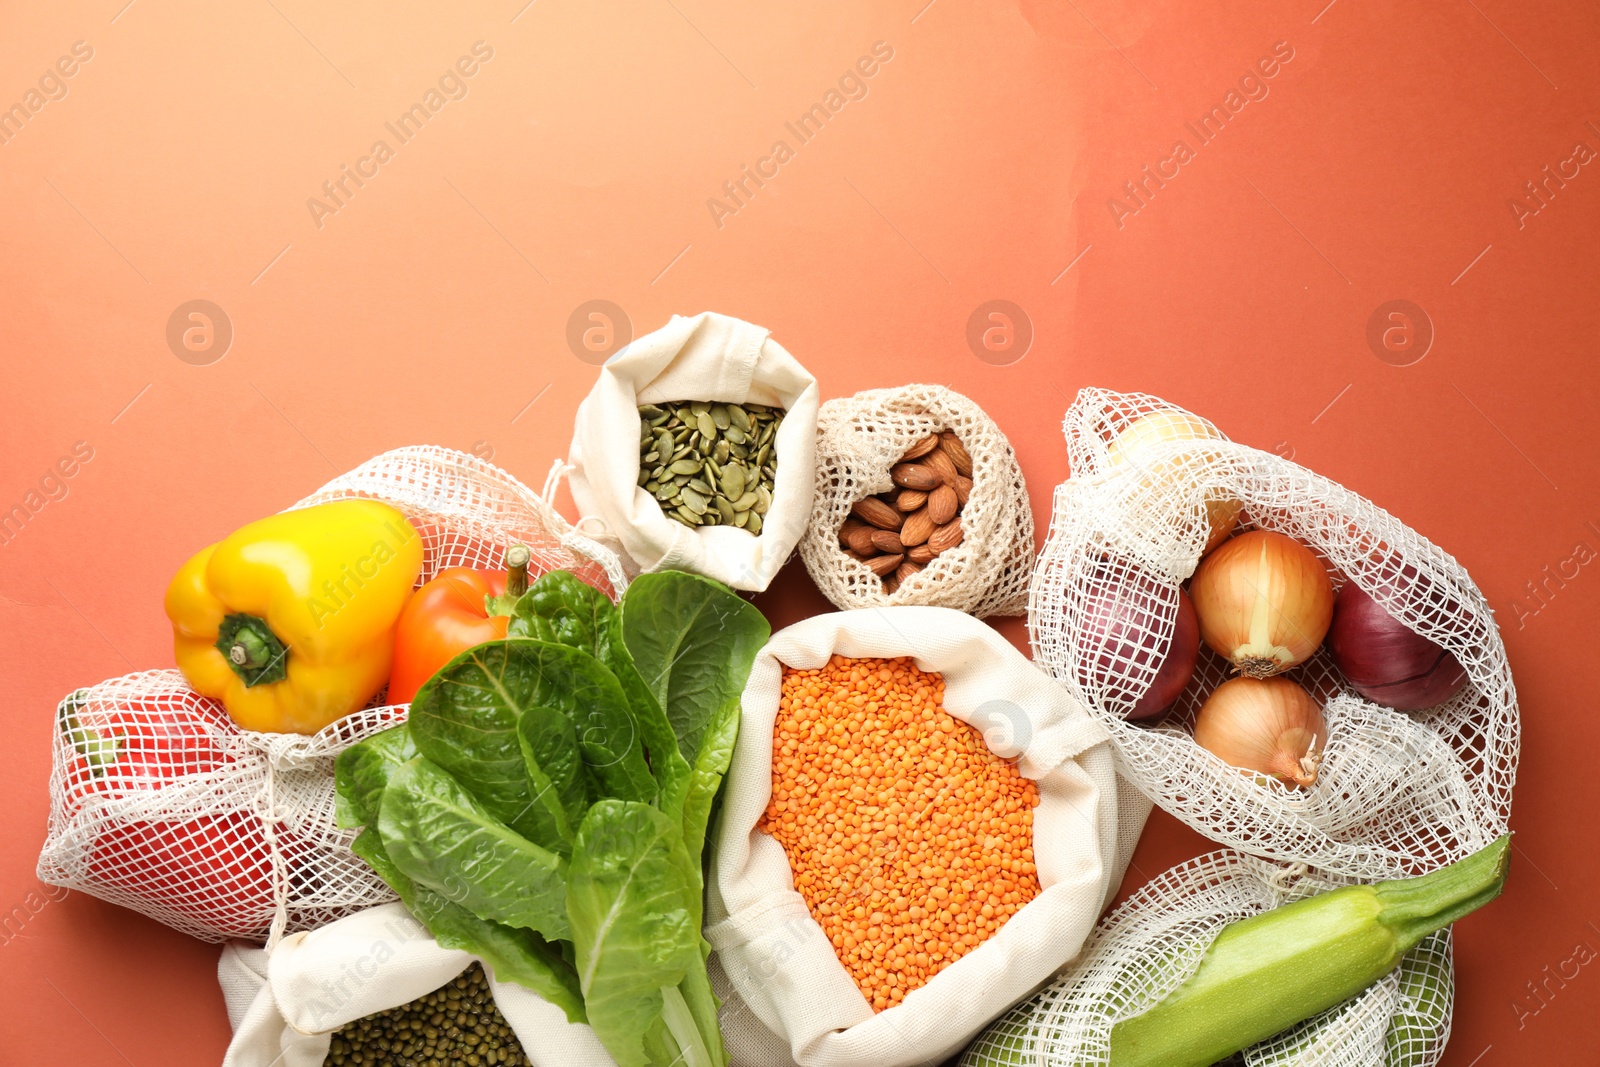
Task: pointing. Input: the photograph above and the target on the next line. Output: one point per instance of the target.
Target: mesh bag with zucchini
(1329, 688)
(1236, 959)
(159, 802)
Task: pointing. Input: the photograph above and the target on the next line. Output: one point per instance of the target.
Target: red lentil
(910, 841)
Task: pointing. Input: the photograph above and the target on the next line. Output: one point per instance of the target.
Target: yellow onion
(1137, 444)
(1264, 602)
(1265, 726)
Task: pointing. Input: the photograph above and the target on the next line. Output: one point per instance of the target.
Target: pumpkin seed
(694, 501)
(685, 466)
(699, 485)
(719, 415)
(752, 522)
(686, 515)
(739, 417)
(733, 482)
(736, 435)
(725, 510)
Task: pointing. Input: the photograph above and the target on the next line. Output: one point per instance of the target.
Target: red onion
(1386, 661)
(1120, 625)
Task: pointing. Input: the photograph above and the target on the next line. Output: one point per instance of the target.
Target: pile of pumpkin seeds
(450, 1027)
(710, 464)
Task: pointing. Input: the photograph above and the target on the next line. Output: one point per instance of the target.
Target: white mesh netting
(1399, 794)
(858, 439)
(159, 803)
(1150, 945)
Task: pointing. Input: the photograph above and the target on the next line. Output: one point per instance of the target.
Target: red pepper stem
(517, 560)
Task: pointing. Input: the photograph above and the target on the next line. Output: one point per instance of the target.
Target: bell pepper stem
(254, 652)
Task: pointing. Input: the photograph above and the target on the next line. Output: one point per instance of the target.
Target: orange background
(432, 308)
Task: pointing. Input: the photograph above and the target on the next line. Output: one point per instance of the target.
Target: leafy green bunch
(546, 805)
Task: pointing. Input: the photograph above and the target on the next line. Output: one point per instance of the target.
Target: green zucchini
(1269, 972)
(1266, 973)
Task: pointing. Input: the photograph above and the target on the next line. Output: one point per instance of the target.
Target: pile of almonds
(900, 532)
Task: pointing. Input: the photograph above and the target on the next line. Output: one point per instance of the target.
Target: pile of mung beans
(909, 839)
(710, 464)
(456, 1026)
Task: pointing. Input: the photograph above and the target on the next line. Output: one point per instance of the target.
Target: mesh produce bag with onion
(858, 439)
(1150, 945)
(1398, 793)
(159, 803)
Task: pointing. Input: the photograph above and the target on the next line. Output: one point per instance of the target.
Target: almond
(890, 584)
(942, 467)
(922, 447)
(906, 571)
(917, 529)
(877, 513)
(887, 542)
(910, 499)
(922, 554)
(951, 446)
(861, 540)
(946, 537)
(849, 527)
(884, 566)
(963, 490)
(916, 476)
(942, 505)
(857, 556)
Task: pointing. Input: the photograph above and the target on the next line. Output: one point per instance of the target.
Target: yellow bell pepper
(290, 621)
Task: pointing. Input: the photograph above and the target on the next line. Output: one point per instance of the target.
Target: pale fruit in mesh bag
(1139, 446)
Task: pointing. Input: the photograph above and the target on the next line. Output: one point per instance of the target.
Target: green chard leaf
(438, 835)
(519, 956)
(363, 770)
(560, 608)
(556, 772)
(465, 720)
(629, 903)
(693, 641)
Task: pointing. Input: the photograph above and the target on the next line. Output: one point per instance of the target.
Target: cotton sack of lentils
(1398, 794)
(859, 438)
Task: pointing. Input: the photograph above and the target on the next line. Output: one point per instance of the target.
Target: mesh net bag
(1398, 794)
(858, 439)
(1150, 945)
(159, 803)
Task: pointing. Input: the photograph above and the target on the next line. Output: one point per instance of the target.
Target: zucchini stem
(1416, 907)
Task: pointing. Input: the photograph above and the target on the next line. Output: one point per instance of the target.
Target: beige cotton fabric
(286, 1003)
(707, 357)
(790, 1000)
(858, 439)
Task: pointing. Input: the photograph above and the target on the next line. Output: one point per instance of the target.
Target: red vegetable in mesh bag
(213, 868)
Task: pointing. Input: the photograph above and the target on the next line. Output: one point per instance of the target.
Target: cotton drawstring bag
(1398, 794)
(159, 803)
(286, 1003)
(788, 998)
(706, 357)
(859, 438)
(1150, 946)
